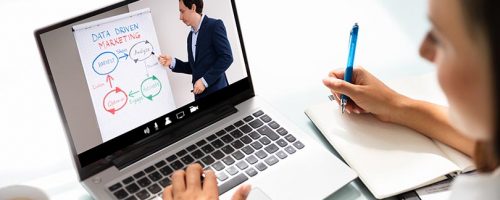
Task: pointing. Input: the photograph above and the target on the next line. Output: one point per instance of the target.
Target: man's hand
(187, 185)
(165, 60)
(199, 87)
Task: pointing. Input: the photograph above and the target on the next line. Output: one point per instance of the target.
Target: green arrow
(132, 93)
(150, 97)
(154, 78)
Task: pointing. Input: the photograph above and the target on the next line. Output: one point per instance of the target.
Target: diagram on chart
(141, 53)
(127, 85)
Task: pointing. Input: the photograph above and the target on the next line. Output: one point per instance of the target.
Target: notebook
(390, 159)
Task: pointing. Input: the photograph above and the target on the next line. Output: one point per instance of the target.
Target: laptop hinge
(171, 135)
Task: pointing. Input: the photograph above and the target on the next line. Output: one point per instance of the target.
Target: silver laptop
(131, 122)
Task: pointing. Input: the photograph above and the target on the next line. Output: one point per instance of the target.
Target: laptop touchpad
(257, 194)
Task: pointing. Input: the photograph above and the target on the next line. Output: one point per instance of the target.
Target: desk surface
(295, 47)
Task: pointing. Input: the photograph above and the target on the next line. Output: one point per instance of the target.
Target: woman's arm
(433, 121)
(370, 95)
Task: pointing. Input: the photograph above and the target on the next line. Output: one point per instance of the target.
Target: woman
(464, 44)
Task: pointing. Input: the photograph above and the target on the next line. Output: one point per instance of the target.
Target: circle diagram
(115, 100)
(150, 87)
(105, 63)
(141, 51)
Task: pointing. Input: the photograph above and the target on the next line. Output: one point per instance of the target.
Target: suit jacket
(213, 56)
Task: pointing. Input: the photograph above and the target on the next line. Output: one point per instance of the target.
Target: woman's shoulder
(477, 186)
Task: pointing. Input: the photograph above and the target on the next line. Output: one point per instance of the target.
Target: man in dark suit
(209, 51)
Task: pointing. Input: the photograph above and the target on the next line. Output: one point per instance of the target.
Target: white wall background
(172, 35)
(291, 45)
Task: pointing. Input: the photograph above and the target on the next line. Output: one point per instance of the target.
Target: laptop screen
(131, 70)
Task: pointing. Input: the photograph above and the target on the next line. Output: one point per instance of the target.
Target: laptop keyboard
(235, 153)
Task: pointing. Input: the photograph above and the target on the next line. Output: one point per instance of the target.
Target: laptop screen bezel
(101, 157)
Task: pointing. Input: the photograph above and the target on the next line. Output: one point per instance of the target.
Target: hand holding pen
(367, 94)
(361, 91)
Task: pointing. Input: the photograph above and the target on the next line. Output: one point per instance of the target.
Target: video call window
(128, 66)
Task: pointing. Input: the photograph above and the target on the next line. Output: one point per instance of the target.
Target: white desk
(293, 43)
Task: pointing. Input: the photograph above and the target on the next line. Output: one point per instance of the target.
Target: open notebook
(390, 159)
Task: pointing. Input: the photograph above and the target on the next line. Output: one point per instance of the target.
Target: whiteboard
(127, 85)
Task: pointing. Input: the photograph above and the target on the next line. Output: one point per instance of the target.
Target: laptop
(131, 122)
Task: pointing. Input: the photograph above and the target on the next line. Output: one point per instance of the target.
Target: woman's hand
(188, 186)
(367, 94)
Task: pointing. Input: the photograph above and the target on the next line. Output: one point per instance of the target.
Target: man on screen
(209, 52)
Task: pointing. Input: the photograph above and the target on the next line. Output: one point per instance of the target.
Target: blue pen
(350, 62)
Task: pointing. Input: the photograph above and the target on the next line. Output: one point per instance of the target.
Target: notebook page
(389, 158)
(463, 161)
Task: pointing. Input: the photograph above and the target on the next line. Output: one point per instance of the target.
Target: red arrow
(109, 79)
